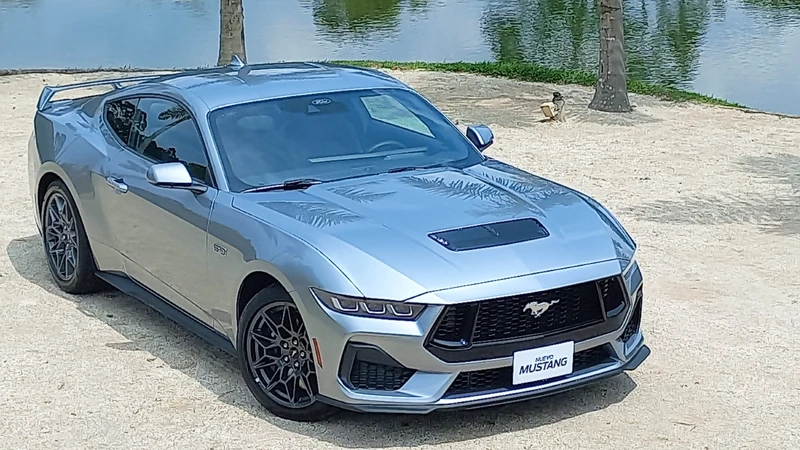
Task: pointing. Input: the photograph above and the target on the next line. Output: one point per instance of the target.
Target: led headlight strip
(364, 307)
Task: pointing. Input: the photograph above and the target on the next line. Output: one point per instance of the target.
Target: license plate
(544, 362)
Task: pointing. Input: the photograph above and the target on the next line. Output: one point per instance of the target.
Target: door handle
(117, 184)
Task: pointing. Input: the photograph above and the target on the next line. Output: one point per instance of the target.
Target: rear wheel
(66, 246)
(276, 357)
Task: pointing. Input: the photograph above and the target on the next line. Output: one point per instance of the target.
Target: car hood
(376, 229)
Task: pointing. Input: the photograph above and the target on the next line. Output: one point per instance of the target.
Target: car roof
(223, 86)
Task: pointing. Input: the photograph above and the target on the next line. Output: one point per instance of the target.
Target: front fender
(240, 244)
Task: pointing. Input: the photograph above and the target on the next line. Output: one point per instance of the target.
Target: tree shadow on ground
(148, 331)
(774, 210)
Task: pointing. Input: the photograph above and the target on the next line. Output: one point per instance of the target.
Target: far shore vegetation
(531, 72)
(512, 70)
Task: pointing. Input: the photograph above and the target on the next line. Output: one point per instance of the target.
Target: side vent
(490, 235)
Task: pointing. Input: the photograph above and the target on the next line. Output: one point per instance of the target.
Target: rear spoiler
(49, 91)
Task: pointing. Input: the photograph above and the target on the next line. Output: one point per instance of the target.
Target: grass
(536, 73)
(511, 70)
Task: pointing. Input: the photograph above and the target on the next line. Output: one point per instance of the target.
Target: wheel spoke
(51, 231)
(265, 342)
(70, 261)
(53, 216)
(265, 361)
(284, 317)
(66, 215)
(291, 388)
(61, 258)
(273, 327)
(273, 381)
(301, 331)
(306, 384)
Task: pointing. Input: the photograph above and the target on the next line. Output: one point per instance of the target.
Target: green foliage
(531, 72)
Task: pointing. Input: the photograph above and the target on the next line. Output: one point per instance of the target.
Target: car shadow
(148, 331)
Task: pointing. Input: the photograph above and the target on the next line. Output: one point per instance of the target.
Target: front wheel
(276, 357)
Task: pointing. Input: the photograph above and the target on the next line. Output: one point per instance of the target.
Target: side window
(165, 132)
(119, 115)
(387, 109)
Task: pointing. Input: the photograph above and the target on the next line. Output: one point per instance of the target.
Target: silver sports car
(335, 231)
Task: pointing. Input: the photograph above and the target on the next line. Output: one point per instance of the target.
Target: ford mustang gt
(337, 233)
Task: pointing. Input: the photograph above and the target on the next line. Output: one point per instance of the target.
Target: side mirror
(481, 136)
(173, 175)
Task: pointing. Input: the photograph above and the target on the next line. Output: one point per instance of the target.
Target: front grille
(378, 377)
(502, 319)
(501, 378)
(633, 326)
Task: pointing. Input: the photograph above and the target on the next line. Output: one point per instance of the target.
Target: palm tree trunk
(611, 91)
(231, 31)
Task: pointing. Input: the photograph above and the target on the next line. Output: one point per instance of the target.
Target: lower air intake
(365, 366)
(378, 377)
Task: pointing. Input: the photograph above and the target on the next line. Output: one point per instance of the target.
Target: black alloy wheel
(279, 355)
(66, 246)
(276, 357)
(61, 237)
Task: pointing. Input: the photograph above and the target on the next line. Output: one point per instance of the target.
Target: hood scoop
(490, 235)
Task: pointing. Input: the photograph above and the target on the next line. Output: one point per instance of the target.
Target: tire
(66, 246)
(266, 356)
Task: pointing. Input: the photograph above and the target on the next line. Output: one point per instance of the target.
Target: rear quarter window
(119, 117)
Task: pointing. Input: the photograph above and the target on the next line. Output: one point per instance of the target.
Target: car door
(161, 232)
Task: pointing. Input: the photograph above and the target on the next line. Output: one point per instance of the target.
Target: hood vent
(490, 235)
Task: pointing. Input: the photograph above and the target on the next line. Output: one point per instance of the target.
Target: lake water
(747, 51)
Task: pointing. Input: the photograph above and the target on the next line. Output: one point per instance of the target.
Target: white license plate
(544, 362)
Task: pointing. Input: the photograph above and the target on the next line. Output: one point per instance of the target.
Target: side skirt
(170, 311)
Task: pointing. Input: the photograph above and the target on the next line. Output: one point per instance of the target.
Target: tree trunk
(611, 91)
(231, 31)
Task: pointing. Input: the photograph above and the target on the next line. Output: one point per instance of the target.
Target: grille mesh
(380, 377)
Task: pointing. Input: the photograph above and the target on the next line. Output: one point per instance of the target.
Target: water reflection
(743, 50)
(356, 17)
(662, 37)
(778, 11)
(359, 19)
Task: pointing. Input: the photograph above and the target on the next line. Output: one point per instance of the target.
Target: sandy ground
(712, 196)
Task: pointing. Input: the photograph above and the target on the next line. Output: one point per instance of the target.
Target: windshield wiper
(409, 168)
(300, 183)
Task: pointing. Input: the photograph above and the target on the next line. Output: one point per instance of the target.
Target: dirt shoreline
(711, 194)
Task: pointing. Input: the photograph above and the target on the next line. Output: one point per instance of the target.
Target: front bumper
(482, 401)
(427, 386)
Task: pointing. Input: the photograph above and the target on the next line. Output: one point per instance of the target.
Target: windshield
(333, 136)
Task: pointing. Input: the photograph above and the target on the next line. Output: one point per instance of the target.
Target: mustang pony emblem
(537, 308)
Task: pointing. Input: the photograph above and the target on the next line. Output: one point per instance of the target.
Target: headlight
(364, 307)
(633, 276)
